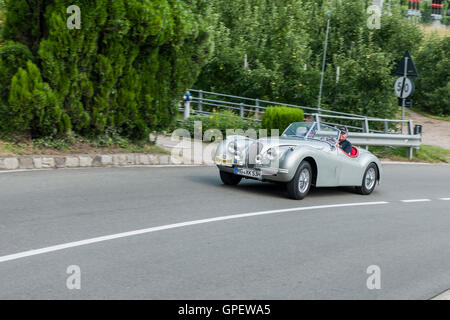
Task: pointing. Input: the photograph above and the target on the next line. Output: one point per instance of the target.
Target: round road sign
(406, 84)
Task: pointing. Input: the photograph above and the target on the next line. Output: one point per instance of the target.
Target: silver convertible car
(307, 153)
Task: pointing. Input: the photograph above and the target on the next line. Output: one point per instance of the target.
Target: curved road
(178, 233)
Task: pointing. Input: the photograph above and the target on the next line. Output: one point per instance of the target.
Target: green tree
(433, 85)
(122, 69)
(283, 41)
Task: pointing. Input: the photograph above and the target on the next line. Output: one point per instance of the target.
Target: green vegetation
(110, 142)
(424, 154)
(120, 76)
(433, 86)
(444, 118)
(122, 69)
(219, 121)
(281, 117)
(283, 41)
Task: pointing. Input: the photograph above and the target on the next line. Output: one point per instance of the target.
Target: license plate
(224, 161)
(254, 173)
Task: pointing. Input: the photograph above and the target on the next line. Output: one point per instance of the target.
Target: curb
(115, 160)
(86, 161)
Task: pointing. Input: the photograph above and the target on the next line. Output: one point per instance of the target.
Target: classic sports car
(307, 153)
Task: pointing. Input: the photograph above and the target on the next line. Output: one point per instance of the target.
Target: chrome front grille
(253, 150)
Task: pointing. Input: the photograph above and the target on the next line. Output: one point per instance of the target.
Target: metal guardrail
(373, 131)
(412, 141)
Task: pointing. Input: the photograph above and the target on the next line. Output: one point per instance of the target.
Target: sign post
(404, 86)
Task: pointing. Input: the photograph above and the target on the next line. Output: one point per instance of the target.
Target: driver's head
(344, 133)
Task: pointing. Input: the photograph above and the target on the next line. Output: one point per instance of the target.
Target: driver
(344, 144)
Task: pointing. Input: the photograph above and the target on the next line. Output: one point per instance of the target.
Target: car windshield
(312, 131)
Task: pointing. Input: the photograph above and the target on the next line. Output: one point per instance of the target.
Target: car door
(327, 166)
(349, 169)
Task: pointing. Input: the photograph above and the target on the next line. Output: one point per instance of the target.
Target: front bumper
(267, 173)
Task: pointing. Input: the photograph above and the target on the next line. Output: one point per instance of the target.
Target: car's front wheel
(369, 180)
(230, 178)
(299, 186)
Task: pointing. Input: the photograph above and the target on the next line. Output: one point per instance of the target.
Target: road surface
(178, 233)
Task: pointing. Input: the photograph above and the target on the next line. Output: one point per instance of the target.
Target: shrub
(123, 69)
(33, 105)
(281, 117)
(433, 86)
(220, 121)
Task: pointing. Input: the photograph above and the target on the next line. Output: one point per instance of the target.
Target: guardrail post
(410, 153)
(241, 110)
(200, 100)
(386, 127)
(256, 108)
(366, 129)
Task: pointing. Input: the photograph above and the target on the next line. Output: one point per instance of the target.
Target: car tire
(230, 178)
(299, 186)
(369, 180)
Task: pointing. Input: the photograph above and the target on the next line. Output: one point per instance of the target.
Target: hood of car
(271, 142)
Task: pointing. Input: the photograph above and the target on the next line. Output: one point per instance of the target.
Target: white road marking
(414, 163)
(416, 200)
(173, 226)
(443, 296)
(445, 199)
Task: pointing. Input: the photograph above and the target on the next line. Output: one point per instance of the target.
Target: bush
(33, 105)
(123, 69)
(12, 57)
(433, 85)
(281, 117)
(219, 121)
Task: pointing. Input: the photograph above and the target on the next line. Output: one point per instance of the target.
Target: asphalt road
(319, 251)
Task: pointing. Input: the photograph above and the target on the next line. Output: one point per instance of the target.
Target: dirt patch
(434, 132)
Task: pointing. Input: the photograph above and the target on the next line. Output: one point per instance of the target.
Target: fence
(364, 131)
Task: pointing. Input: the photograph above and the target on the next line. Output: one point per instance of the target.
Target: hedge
(281, 117)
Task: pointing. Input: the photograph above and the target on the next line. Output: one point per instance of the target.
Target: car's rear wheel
(369, 180)
(299, 186)
(229, 178)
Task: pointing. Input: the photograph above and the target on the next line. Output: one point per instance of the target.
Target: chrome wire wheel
(303, 181)
(299, 186)
(370, 179)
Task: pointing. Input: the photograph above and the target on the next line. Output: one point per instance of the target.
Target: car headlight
(272, 154)
(234, 149)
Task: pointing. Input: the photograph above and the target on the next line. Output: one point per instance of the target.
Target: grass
(431, 31)
(444, 118)
(424, 154)
(19, 145)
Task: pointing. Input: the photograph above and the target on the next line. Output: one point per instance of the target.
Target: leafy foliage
(433, 86)
(218, 121)
(283, 41)
(122, 69)
(281, 117)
